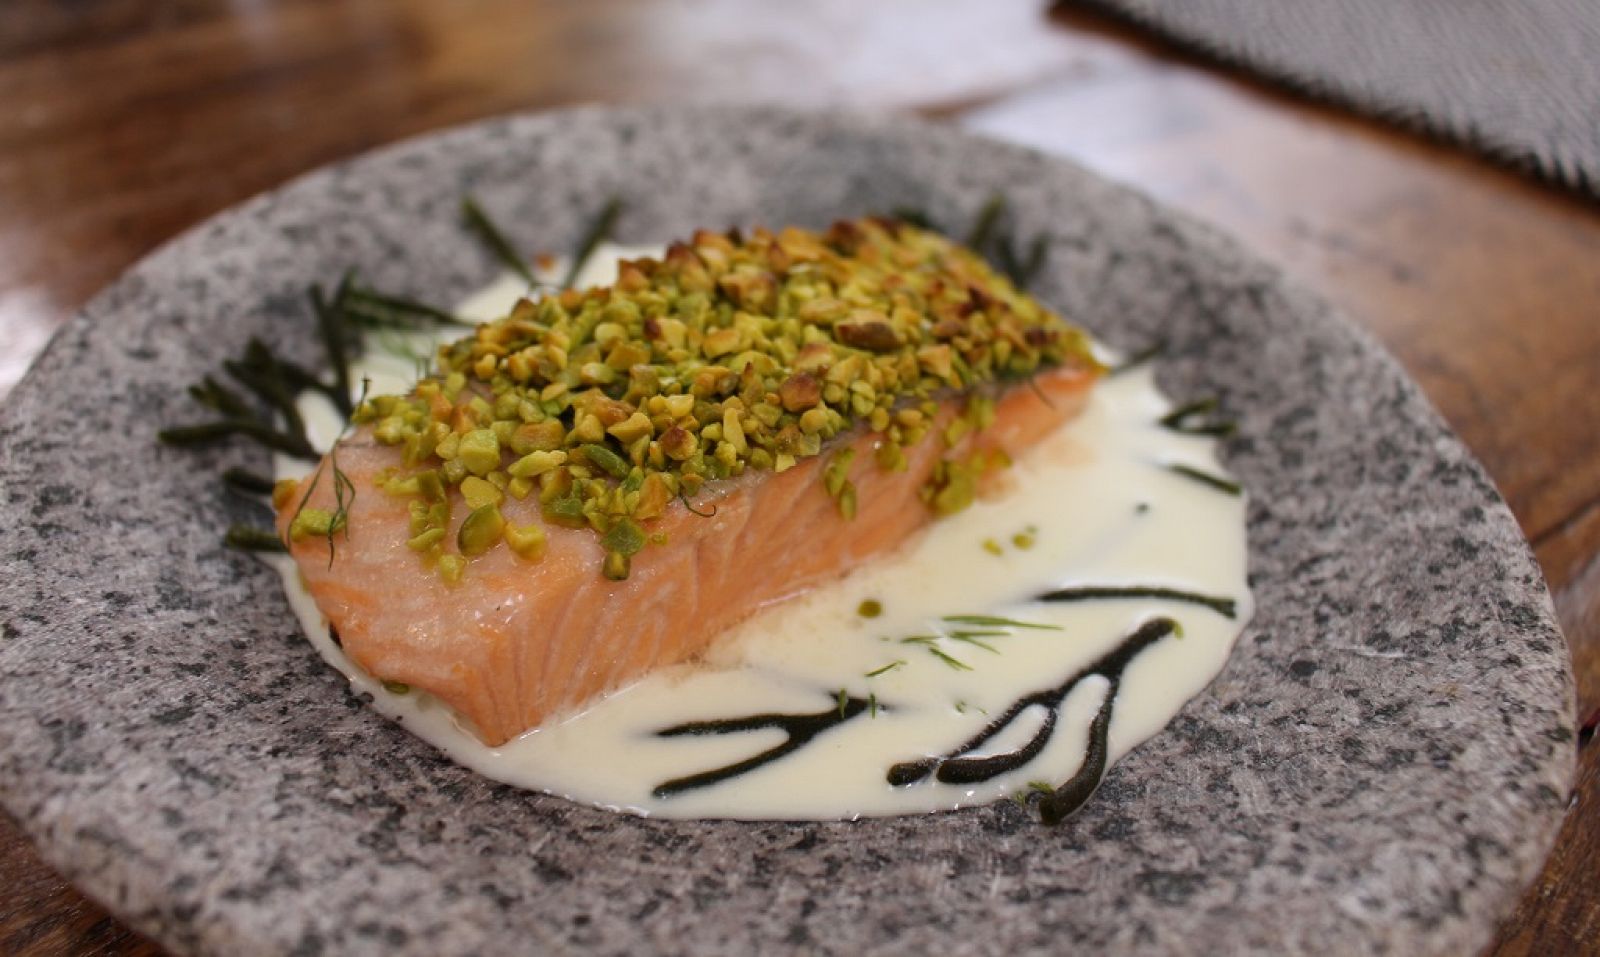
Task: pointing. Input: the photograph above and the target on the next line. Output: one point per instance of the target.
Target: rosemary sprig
(913, 216)
(1152, 351)
(1178, 420)
(331, 325)
(481, 226)
(378, 309)
(1226, 486)
(207, 432)
(261, 372)
(1022, 271)
(246, 481)
(217, 397)
(988, 218)
(249, 538)
(598, 233)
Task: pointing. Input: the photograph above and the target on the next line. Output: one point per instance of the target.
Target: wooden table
(125, 122)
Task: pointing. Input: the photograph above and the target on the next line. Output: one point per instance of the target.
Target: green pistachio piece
(616, 566)
(527, 541)
(479, 451)
(536, 463)
(606, 460)
(480, 530)
(480, 492)
(314, 522)
(451, 568)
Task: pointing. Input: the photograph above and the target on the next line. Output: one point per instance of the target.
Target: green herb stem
(598, 232)
(207, 432)
(244, 480)
(249, 538)
(481, 226)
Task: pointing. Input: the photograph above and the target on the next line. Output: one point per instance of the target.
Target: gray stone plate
(1380, 768)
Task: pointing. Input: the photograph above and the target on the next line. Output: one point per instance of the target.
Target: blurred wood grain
(126, 122)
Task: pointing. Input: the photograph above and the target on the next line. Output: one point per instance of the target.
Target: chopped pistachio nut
(480, 531)
(727, 354)
(526, 540)
(314, 522)
(283, 492)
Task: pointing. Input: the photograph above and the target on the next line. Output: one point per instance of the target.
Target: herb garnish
(479, 223)
(244, 480)
(1180, 419)
(1139, 358)
(598, 233)
(897, 663)
(1227, 486)
(992, 621)
(959, 767)
(251, 539)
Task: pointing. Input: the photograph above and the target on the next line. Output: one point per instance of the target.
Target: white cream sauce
(1102, 508)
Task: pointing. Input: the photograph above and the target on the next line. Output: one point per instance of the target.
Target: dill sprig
(897, 663)
(993, 621)
(974, 638)
(598, 232)
(949, 659)
(481, 226)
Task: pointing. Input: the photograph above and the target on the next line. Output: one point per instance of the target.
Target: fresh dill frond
(898, 662)
(994, 621)
(968, 638)
(953, 662)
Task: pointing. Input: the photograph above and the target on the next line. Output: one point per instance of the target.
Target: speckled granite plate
(1380, 768)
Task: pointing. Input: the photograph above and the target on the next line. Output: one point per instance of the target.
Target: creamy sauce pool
(1097, 505)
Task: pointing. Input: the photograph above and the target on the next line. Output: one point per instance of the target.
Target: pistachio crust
(731, 353)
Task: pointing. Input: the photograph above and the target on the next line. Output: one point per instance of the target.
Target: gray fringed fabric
(1517, 80)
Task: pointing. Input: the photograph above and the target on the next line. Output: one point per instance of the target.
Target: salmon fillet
(513, 641)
